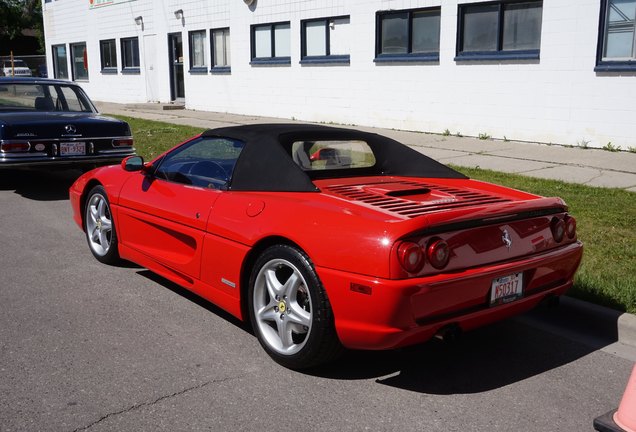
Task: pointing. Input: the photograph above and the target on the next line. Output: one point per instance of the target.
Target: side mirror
(133, 163)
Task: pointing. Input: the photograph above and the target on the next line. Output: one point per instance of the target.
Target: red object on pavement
(625, 417)
(352, 238)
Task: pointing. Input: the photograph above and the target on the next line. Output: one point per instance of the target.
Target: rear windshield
(332, 155)
(43, 97)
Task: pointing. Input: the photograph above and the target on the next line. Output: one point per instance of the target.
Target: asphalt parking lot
(89, 347)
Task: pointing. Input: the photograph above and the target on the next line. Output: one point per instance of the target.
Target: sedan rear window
(43, 97)
(331, 154)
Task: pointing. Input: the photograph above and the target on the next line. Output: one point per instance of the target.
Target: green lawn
(606, 218)
(153, 138)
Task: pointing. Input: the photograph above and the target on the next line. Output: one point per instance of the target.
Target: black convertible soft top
(266, 163)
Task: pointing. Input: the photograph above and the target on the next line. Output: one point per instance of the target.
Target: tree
(17, 15)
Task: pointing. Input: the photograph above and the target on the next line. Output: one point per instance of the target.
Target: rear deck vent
(397, 201)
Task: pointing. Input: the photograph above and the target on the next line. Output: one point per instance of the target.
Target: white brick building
(560, 71)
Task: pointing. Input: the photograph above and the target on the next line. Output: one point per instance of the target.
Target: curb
(619, 326)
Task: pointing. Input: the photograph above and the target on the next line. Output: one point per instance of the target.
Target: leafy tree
(17, 15)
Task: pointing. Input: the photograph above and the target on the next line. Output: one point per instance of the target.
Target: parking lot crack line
(160, 399)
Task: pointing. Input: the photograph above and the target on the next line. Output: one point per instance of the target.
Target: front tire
(289, 309)
(100, 228)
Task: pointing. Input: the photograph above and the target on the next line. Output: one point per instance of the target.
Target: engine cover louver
(413, 199)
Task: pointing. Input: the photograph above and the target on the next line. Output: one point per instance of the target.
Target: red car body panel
(351, 228)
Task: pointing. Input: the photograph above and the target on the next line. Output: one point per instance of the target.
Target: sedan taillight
(123, 142)
(15, 146)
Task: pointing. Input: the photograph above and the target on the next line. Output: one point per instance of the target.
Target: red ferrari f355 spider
(327, 238)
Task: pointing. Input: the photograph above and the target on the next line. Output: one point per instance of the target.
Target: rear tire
(100, 227)
(289, 309)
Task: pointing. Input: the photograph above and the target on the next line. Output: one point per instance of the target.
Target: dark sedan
(47, 122)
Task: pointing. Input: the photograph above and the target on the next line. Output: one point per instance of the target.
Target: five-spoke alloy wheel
(100, 229)
(289, 309)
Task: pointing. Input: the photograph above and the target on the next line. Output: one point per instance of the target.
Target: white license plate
(506, 289)
(72, 148)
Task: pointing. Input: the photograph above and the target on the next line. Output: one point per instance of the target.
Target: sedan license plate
(72, 148)
(506, 289)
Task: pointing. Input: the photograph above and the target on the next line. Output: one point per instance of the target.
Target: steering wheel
(209, 169)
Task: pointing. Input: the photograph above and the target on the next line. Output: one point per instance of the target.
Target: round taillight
(558, 229)
(570, 226)
(438, 253)
(411, 256)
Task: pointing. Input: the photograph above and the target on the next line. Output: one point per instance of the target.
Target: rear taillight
(15, 146)
(558, 229)
(123, 142)
(437, 253)
(570, 226)
(411, 256)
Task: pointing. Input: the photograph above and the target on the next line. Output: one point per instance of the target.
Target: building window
(408, 35)
(79, 61)
(325, 40)
(198, 49)
(502, 30)
(271, 44)
(108, 53)
(130, 55)
(220, 40)
(617, 37)
(60, 62)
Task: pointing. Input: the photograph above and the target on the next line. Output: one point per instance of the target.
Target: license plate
(506, 289)
(72, 148)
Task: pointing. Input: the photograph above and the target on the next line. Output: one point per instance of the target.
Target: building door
(150, 56)
(175, 47)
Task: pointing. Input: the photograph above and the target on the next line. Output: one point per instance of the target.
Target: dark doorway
(175, 48)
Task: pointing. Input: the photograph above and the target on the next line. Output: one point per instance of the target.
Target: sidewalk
(591, 167)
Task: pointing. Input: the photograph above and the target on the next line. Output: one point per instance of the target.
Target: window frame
(499, 53)
(409, 56)
(611, 65)
(56, 62)
(126, 69)
(73, 71)
(226, 68)
(197, 69)
(112, 44)
(273, 59)
(328, 57)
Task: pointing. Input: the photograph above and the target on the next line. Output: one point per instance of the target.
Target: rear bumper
(12, 161)
(394, 313)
